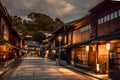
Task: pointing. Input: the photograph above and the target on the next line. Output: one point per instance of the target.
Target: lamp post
(59, 39)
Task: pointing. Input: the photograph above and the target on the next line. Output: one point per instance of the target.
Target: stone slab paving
(33, 68)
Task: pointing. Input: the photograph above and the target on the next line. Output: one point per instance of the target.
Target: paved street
(34, 68)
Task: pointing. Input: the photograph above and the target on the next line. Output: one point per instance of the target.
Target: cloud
(61, 7)
(24, 4)
(94, 3)
(51, 1)
(66, 10)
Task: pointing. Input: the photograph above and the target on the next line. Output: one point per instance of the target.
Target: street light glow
(59, 37)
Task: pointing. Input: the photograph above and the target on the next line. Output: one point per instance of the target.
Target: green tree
(35, 27)
(57, 23)
(38, 37)
(44, 22)
(16, 20)
(18, 25)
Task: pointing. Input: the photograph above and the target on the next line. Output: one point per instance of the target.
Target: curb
(83, 72)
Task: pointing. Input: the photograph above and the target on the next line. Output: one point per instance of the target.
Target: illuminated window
(111, 16)
(101, 20)
(65, 39)
(85, 28)
(108, 17)
(105, 19)
(119, 12)
(115, 14)
(89, 27)
(98, 21)
(69, 37)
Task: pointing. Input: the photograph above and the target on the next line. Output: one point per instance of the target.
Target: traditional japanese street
(59, 39)
(35, 68)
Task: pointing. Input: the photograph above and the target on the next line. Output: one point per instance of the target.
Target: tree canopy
(37, 26)
(44, 22)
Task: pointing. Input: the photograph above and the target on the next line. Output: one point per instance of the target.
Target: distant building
(44, 48)
(31, 47)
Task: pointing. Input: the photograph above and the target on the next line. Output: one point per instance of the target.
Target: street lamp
(59, 39)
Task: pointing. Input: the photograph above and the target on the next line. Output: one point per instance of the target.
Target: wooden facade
(58, 43)
(93, 42)
(106, 16)
(80, 38)
(10, 41)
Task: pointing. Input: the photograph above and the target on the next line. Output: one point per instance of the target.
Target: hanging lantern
(87, 48)
(97, 67)
(107, 46)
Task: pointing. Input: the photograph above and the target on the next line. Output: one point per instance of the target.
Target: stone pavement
(87, 72)
(5, 68)
(34, 68)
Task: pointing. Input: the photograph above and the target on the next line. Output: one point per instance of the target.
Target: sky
(66, 10)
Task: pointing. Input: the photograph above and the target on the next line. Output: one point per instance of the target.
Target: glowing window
(101, 20)
(98, 21)
(115, 14)
(119, 12)
(108, 17)
(111, 16)
(105, 19)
